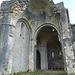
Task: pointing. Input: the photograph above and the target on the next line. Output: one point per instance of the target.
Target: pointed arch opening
(49, 46)
(21, 46)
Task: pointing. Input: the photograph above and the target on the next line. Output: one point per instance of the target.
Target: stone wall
(73, 32)
(4, 31)
(15, 48)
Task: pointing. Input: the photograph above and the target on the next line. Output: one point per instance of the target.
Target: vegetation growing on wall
(39, 6)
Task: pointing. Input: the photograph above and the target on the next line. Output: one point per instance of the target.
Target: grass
(72, 73)
(38, 73)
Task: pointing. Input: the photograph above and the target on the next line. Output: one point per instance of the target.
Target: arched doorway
(49, 46)
(54, 54)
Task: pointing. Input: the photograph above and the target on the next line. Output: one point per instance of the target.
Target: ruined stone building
(36, 35)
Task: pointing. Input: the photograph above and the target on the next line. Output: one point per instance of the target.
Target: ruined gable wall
(13, 11)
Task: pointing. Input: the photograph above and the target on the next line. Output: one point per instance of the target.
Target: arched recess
(42, 36)
(21, 46)
(38, 59)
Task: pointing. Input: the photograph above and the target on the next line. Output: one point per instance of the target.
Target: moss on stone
(5, 69)
(38, 6)
(11, 5)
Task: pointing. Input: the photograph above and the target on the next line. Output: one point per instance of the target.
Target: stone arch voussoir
(46, 24)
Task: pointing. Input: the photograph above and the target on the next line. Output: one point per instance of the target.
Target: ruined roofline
(60, 4)
(7, 5)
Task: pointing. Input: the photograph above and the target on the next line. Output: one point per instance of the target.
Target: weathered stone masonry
(27, 32)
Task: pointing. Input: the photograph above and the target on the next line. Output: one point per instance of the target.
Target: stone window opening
(52, 54)
(22, 30)
(60, 55)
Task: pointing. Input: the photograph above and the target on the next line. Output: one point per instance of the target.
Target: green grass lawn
(37, 73)
(73, 74)
(40, 73)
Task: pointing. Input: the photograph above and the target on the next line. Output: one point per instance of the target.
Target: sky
(69, 4)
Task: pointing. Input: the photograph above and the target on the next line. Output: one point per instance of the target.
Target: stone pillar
(10, 47)
(35, 48)
(6, 45)
(67, 41)
(46, 59)
(4, 52)
(32, 56)
(44, 64)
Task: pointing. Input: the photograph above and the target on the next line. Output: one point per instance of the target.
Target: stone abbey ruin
(36, 35)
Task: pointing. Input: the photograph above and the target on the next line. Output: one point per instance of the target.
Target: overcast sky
(70, 4)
